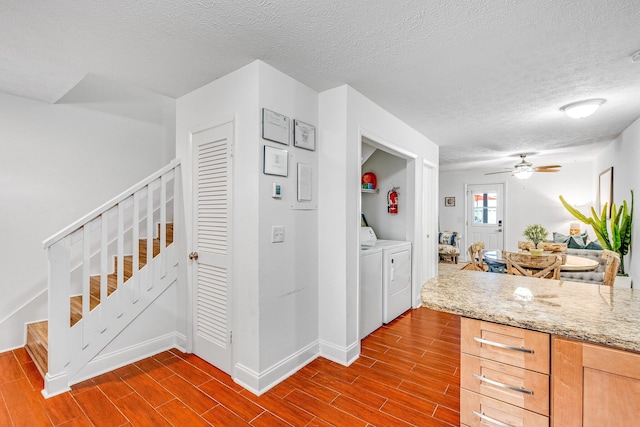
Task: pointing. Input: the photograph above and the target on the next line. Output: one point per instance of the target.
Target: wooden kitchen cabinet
(593, 385)
(506, 344)
(504, 375)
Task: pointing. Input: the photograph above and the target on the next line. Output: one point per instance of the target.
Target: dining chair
(475, 253)
(525, 246)
(543, 266)
(553, 247)
(611, 267)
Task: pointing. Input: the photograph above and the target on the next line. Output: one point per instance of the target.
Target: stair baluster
(104, 270)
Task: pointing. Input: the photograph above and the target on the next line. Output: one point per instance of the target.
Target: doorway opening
(386, 275)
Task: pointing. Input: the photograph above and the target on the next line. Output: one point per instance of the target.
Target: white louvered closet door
(211, 219)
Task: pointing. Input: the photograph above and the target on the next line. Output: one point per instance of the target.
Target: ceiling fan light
(523, 173)
(582, 109)
(523, 170)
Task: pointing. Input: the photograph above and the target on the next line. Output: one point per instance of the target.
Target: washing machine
(370, 289)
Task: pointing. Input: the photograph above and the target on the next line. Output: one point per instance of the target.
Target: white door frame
(414, 181)
(430, 187)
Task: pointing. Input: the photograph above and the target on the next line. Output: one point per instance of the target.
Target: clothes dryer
(396, 278)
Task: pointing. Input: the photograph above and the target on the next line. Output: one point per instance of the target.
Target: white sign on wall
(275, 127)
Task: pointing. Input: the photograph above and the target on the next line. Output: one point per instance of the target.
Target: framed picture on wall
(304, 135)
(605, 190)
(275, 161)
(275, 127)
(449, 201)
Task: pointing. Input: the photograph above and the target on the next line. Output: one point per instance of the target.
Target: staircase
(37, 333)
(104, 271)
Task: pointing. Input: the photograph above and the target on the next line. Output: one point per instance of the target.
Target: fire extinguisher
(392, 201)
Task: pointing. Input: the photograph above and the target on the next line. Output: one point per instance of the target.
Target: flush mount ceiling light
(582, 109)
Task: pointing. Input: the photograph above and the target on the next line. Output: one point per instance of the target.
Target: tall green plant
(619, 225)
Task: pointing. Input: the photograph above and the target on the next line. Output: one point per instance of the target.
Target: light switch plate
(277, 233)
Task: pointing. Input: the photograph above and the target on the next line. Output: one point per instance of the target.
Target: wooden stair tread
(37, 345)
(76, 310)
(112, 278)
(38, 333)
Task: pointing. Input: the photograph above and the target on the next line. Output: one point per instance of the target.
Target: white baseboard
(181, 342)
(258, 383)
(55, 385)
(108, 362)
(342, 355)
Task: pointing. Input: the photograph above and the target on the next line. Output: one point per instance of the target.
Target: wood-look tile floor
(408, 374)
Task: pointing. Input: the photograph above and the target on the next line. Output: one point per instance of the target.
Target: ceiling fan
(524, 169)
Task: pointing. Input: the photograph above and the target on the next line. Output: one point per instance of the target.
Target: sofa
(579, 245)
(448, 246)
(596, 276)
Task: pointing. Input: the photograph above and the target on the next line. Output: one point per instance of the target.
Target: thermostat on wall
(277, 191)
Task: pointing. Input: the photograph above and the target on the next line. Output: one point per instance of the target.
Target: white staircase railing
(89, 247)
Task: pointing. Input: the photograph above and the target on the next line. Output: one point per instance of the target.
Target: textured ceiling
(482, 79)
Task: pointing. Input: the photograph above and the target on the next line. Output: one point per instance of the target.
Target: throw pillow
(593, 245)
(576, 242)
(447, 249)
(560, 238)
(447, 238)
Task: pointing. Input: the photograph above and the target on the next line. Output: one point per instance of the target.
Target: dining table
(497, 264)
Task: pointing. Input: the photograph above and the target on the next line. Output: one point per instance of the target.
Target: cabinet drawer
(478, 410)
(517, 386)
(506, 344)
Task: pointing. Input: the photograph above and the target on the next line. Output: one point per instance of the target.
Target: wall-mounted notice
(305, 181)
(275, 127)
(304, 135)
(275, 161)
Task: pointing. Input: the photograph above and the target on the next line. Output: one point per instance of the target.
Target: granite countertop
(581, 311)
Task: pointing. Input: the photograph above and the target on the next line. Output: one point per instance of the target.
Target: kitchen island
(542, 352)
(581, 311)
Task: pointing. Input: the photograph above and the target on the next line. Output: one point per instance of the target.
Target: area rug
(445, 267)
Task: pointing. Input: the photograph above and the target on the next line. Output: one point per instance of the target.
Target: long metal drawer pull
(491, 420)
(497, 344)
(498, 384)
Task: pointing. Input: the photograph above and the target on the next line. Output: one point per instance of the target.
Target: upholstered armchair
(448, 246)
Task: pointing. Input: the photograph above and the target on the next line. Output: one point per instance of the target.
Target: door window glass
(485, 206)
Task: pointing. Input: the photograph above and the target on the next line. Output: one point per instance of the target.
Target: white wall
(333, 221)
(346, 116)
(234, 96)
(288, 289)
(58, 163)
(532, 201)
(623, 154)
(275, 311)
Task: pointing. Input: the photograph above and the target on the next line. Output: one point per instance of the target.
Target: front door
(211, 237)
(485, 213)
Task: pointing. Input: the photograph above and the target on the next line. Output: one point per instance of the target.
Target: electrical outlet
(277, 233)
